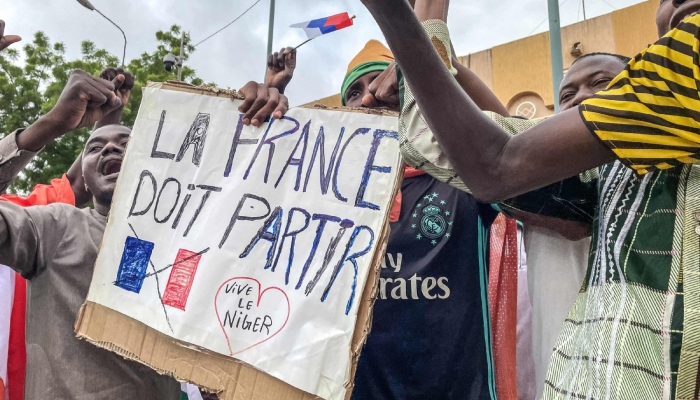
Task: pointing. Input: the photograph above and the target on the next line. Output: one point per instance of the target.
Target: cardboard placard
(245, 260)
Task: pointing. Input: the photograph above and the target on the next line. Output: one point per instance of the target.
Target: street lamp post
(182, 56)
(555, 49)
(270, 31)
(89, 6)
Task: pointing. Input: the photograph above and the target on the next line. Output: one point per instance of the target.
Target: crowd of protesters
(600, 204)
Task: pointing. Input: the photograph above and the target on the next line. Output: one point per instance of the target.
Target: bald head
(587, 76)
(107, 130)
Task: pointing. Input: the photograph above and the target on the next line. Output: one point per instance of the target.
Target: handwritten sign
(255, 243)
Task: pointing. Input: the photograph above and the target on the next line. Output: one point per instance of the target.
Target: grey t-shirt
(55, 247)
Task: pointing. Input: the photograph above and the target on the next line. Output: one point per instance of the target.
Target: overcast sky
(238, 54)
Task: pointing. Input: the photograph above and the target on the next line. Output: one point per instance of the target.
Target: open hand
(260, 102)
(5, 41)
(280, 68)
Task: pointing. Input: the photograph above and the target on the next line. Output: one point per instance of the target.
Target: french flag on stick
(322, 26)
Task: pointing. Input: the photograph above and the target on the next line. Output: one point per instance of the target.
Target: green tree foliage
(149, 68)
(31, 85)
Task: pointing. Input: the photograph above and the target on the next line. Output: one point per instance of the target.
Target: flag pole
(305, 42)
(270, 30)
(555, 49)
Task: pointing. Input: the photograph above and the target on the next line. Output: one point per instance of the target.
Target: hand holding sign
(260, 102)
(250, 242)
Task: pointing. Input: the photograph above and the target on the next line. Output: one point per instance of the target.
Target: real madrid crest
(433, 223)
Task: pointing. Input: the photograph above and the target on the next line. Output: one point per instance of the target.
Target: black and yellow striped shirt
(650, 114)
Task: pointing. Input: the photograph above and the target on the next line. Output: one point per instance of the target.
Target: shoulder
(57, 212)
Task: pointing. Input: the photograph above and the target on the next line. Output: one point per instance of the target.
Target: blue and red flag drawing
(322, 26)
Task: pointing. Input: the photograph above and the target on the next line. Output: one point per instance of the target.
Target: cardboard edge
(371, 291)
(173, 350)
(236, 95)
(202, 89)
(230, 387)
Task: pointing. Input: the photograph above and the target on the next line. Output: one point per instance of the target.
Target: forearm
(280, 86)
(431, 9)
(571, 230)
(492, 163)
(482, 96)
(113, 118)
(449, 109)
(12, 160)
(40, 133)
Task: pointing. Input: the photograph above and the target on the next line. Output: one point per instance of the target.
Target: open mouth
(111, 167)
(684, 12)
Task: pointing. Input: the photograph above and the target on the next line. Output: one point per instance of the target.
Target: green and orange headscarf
(373, 57)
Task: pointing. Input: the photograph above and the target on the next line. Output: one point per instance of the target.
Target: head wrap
(373, 57)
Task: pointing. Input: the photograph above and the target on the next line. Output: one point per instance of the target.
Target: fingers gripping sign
(6, 41)
(260, 102)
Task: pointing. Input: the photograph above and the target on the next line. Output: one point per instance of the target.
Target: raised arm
(493, 164)
(477, 90)
(472, 85)
(122, 89)
(280, 68)
(386, 88)
(84, 100)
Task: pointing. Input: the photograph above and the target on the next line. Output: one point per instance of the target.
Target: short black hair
(620, 57)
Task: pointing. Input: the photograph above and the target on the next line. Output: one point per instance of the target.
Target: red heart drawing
(245, 317)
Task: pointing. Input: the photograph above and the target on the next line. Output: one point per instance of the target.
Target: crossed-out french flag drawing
(134, 265)
(322, 26)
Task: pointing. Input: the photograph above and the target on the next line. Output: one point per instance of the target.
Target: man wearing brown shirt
(56, 246)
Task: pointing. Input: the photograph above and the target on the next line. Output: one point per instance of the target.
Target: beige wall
(595, 35)
(522, 66)
(480, 63)
(330, 101)
(520, 71)
(634, 27)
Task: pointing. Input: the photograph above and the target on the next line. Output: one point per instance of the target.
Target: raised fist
(85, 100)
(280, 68)
(385, 88)
(121, 88)
(5, 41)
